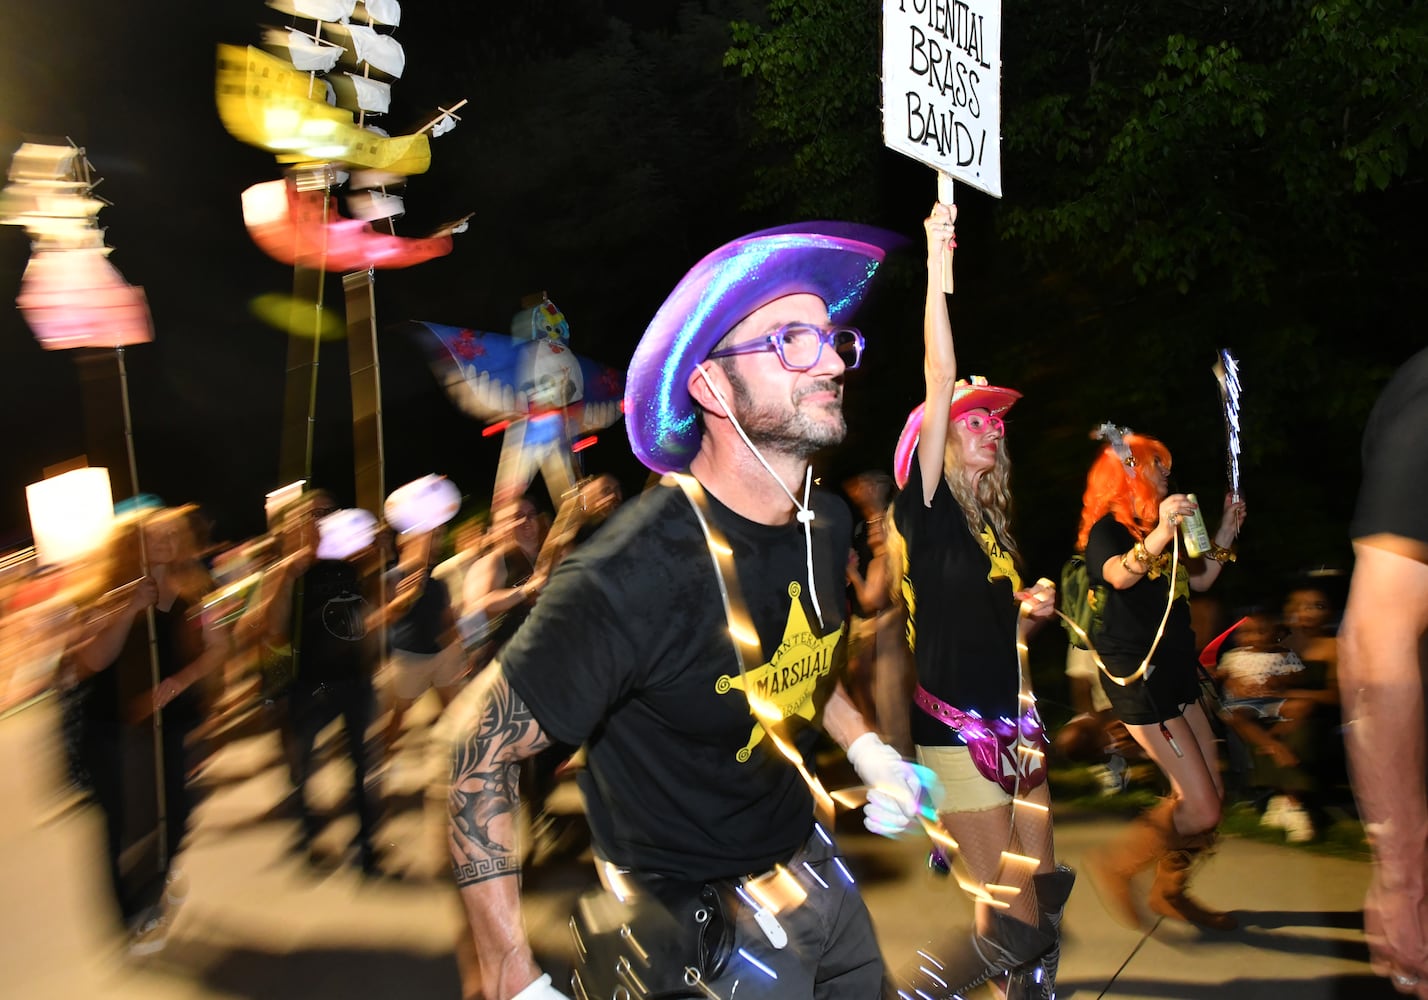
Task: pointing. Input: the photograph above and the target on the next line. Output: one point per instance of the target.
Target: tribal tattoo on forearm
(485, 796)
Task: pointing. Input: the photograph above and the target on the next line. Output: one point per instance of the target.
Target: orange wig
(1114, 487)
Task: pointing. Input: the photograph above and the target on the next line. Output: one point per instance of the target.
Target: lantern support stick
(154, 678)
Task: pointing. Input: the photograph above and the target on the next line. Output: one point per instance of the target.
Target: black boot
(1037, 980)
(972, 960)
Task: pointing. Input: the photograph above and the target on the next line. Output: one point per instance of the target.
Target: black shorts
(1162, 693)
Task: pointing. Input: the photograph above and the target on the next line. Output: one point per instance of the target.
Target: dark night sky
(133, 84)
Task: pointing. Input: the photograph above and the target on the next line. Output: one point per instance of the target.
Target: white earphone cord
(805, 513)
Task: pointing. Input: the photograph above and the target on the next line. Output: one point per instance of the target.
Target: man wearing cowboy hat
(631, 651)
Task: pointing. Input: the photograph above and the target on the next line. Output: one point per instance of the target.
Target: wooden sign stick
(945, 195)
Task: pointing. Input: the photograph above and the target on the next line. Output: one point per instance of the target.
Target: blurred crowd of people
(1277, 678)
(162, 644)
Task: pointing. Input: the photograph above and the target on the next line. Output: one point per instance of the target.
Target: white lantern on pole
(422, 505)
(274, 502)
(344, 533)
(70, 514)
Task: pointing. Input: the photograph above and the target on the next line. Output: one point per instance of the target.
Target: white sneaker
(1275, 811)
(1298, 828)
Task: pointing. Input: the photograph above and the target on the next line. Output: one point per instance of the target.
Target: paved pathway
(260, 923)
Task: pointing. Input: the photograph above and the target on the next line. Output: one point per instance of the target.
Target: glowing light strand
(1227, 373)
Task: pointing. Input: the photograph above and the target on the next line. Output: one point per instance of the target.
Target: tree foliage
(816, 98)
(1197, 140)
(1170, 142)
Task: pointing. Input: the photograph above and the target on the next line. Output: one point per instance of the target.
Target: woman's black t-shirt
(962, 611)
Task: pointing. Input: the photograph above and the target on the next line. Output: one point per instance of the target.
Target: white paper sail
(50, 194)
(36, 162)
(372, 205)
(39, 211)
(309, 54)
(372, 95)
(387, 12)
(323, 10)
(379, 51)
(443, 125)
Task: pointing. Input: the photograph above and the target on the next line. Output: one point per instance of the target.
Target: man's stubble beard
(791, 432)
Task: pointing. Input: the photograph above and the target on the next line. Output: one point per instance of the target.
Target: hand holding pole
(945, 195)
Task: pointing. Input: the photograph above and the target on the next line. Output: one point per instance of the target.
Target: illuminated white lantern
(344, 533)
(70, 514)
(423, 504)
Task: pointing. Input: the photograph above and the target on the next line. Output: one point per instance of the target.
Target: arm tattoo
(485, 797)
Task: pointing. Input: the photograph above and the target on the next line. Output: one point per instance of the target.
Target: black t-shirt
(333, 623)
(961, 623)
(419, 630)
(628, 652)
(518, 570)
(105, 698)
(1133, 615)
(178, 642)
(1391, 499)
(587, 530)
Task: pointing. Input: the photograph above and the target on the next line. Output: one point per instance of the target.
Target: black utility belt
(663, 938)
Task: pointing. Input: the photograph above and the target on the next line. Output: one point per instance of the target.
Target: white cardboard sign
(942, 70)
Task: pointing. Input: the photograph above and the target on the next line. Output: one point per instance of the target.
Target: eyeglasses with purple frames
(800, 345)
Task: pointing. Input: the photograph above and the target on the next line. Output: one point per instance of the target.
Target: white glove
(893, 786)
(540, 990)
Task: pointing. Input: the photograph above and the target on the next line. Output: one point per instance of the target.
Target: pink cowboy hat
(968, 395)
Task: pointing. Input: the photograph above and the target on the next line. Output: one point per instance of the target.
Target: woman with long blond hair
(973, 722)
(1146, 652)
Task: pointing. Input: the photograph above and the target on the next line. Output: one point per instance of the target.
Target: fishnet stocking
(984, 841)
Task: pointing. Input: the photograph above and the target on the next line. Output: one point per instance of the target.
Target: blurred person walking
(1312, 610)
(316, 603)
(1382, 675)
(1296, 735)
(1258, 679)
(503, 584)
(115, 701)
(871, 608)
(424, 650)
(1146, 648)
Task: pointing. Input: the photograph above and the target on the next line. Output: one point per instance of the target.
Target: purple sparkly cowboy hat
(973, 395)
(833, 260)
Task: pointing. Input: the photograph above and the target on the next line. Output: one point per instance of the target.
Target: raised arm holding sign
(944, 196)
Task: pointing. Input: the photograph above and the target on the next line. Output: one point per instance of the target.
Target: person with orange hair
(1145, 649)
